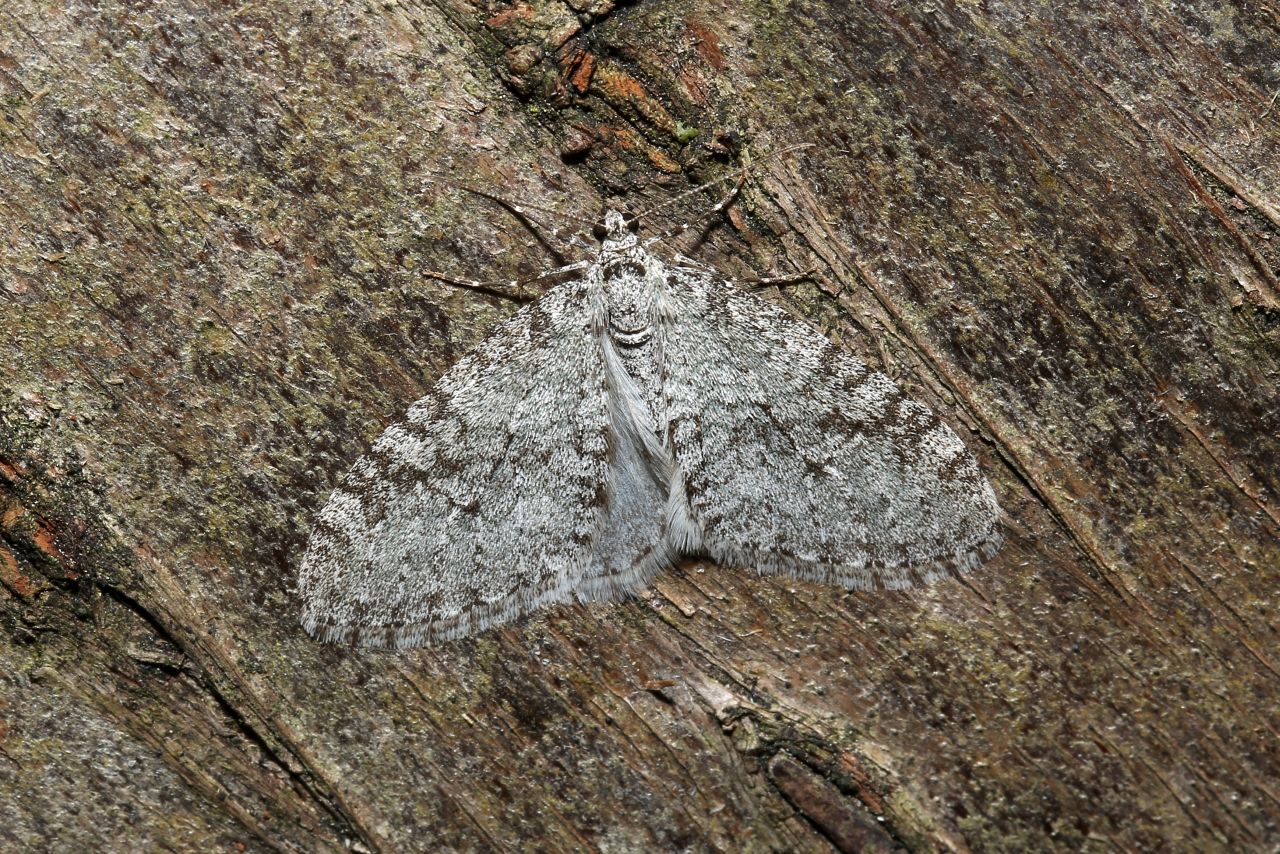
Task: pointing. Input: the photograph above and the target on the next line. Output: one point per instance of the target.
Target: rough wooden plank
(1057, 226)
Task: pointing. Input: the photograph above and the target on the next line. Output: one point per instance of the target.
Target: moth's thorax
(629, 278)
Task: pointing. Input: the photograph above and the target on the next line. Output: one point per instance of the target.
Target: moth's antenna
(519, 211)
(740, 175)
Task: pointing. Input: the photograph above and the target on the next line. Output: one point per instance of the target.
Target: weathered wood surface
(1057, 224)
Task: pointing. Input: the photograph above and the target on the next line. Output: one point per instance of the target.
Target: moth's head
(617, 230)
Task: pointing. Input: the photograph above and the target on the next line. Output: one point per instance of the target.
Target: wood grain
(1057, 225)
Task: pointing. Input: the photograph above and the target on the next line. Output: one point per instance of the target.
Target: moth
(645, 411)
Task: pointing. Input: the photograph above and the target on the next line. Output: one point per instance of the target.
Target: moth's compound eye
(599, 231)
(633, 223)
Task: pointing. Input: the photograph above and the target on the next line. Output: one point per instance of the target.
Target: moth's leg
(521, 212)
(512, 289)
(784, 279)
(684, 262)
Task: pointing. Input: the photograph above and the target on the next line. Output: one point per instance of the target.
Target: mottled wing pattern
(483, 503)
(799, 459)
